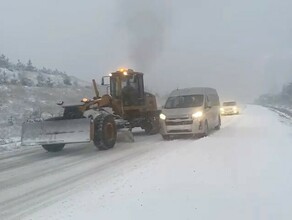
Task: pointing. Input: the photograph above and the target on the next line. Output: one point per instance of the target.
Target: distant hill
(284, 98)
(29, 75)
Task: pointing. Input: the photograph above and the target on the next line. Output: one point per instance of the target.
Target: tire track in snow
(25, 193)
(47, 194)
(31, 197)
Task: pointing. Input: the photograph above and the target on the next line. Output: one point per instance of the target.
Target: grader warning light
(85, 100)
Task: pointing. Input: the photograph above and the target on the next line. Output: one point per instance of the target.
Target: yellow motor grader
(126, 106)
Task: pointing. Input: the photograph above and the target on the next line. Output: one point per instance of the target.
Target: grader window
(130, 90)
(114, 87)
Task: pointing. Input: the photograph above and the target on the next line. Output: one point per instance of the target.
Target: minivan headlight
(162, 116)
(197, 114)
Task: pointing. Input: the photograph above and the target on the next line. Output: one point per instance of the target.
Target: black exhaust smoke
(147, 24)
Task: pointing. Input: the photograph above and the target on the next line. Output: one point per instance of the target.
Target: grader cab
(131, 102)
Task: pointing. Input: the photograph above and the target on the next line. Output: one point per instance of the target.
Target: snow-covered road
(243, 171)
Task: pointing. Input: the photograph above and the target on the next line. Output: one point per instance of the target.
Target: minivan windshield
(186, 101)
(229, 103)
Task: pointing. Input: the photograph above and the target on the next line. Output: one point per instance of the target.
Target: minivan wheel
(166, 137)
(219, 123)
(206, 129)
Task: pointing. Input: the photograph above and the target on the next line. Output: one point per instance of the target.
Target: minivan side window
(214, 99)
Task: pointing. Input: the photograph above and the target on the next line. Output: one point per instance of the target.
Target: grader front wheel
(105, 132)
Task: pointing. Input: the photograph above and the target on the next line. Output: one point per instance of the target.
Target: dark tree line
(43, 80)
(5, 63)
(282, 98)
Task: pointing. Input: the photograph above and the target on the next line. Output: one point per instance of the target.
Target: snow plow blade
(58, 131)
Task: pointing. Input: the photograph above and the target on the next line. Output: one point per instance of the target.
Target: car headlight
(162, 116)
(222, 109)
(235, 109)
(197, 114)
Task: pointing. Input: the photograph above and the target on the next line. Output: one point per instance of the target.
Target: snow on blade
(61, 131)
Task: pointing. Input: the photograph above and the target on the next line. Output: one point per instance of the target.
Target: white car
(229, 108)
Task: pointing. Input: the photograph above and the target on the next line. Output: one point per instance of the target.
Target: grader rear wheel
(151, 125)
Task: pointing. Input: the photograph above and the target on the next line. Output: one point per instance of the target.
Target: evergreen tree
(67, 80)
(49, 83)
(41, 80)
(30, 67)
(56, 72)
(14, 80)
(26, 82)
(3, 77)
(20, 65)
(44, 70)
(75, 83)
(4, 62)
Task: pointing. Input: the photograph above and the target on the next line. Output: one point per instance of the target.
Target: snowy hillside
(29, 75)
(18, 103)
(38, 78)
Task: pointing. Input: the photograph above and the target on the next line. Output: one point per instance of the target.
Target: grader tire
(105, 132)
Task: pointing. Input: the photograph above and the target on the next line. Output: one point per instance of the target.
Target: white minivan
(193, 111)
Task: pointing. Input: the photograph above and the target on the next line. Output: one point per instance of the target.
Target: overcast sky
(241, 48)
